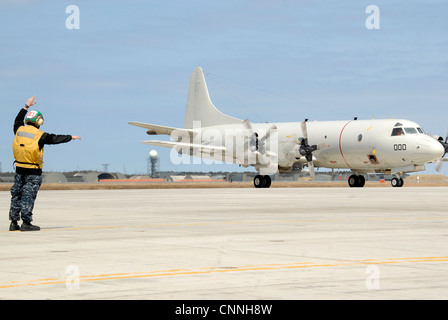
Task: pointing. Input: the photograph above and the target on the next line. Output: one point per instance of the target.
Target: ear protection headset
(40, 120)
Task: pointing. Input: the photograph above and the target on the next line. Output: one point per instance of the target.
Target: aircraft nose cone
(437, 150)
(430, 150)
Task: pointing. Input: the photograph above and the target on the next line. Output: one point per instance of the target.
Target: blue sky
(263, 60)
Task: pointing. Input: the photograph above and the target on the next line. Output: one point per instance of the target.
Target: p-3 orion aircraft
(387, 146)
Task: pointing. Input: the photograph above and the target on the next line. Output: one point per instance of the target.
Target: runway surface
(283, 243)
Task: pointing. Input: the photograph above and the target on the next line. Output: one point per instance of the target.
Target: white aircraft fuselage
(360, 145)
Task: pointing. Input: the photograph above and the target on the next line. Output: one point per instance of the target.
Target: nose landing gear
(397, 182)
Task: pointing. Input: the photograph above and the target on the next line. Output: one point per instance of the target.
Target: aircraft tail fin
(200, 107)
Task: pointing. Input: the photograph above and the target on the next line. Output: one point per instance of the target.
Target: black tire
(395, 182)
(353, 181)
(361, 181)
(259, 181)
(268, 181)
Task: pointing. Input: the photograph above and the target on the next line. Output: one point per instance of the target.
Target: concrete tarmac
(282, 243)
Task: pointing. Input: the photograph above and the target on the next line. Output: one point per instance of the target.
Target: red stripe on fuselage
(340, 148)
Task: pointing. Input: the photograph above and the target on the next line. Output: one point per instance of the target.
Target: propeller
(442, 159)
(256, 143)
(306, 150)
(444, 143)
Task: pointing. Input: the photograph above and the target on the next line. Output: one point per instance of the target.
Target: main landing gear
(262, 181)
(359, 181)
(356, 181)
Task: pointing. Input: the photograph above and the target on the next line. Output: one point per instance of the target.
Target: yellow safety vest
(26, 148)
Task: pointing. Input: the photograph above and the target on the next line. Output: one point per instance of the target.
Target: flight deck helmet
(34, 117)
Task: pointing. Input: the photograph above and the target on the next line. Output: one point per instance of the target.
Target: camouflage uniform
(24, 193)
(28, 176)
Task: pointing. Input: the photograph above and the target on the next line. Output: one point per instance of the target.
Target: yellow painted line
(383, 219)
(215, 270)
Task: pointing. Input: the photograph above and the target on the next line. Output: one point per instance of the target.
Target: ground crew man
(28, 149)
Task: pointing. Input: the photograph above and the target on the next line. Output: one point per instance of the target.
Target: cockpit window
(420, 130)
(410, 130)
(398, 124)
(397, 132)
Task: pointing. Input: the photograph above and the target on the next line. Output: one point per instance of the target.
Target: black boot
(14, 226)
(27, 226)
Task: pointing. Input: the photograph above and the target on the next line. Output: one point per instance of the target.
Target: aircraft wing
(154, 129)
(173, 144)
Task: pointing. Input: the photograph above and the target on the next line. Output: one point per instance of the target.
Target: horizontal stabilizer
(154, 129)
(173, 144)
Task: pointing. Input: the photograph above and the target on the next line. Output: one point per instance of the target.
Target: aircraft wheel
(397, 182)
(353, 181)
(361, 181)
(268, 181)
(259, 181)
(356, 181)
